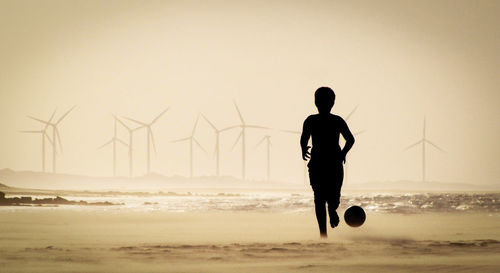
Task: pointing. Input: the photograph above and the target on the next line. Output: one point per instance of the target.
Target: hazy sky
(397, 60)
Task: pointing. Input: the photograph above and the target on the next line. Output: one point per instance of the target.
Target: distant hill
(156, 182)
(152, 182)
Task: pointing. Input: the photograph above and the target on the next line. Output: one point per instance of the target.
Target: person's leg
(320, 208)
(315, 178)
(334, 194)
(333, 204)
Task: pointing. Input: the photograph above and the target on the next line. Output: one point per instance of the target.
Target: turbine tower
(267, 138)
(113, 141)
(192, 140)
(241, 136)
(55, 134)
(44, 135)
(130, 142)
(423, 141)
(150, 137)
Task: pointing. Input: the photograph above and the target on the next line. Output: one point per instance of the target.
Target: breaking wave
(291, 203)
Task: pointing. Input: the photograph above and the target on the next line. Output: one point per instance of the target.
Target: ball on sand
(355, 216)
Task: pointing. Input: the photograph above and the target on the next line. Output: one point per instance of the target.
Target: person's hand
(342, 156)
(305, 153)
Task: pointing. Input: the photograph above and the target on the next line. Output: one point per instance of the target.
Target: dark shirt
(325, 129)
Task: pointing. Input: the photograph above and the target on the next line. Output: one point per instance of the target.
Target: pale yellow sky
(397, 60)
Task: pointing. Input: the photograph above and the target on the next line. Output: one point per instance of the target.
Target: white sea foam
(288, 203)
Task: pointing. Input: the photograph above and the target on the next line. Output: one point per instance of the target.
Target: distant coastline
(24, 182)
(30, 201)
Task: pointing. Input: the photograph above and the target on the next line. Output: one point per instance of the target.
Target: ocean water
(284, 202)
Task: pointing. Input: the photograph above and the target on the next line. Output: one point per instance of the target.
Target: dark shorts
(326, 180)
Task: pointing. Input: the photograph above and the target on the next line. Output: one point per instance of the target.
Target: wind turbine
(130, 142)
(44, 135)
(217, 143)
(423, 141)
(192, 140)
(241, 136)
(113, 141)
(55, 134)
(267, 138)
(150, 137)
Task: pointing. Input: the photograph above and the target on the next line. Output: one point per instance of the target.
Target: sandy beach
(180, 136)
(55, 240)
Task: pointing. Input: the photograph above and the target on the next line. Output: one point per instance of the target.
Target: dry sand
(58, 240)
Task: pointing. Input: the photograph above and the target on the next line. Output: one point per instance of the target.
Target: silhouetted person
(325, 165)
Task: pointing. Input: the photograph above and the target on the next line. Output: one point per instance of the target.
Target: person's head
(324, 98)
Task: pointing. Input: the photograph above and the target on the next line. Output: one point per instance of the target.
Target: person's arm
(349, 139)
(304, 139)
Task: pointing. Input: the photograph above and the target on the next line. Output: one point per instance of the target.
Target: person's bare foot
(334, 220)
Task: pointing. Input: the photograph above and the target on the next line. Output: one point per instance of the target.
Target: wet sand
(57, 240)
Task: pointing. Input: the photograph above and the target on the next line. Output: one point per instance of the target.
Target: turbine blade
(122, 142)
(195, 124)
(105, 144)
(359, 132)
(260, 142)
(121, 122)
(291, 132)
(352, 112)
(199, 145)
(229, 128)
(257, 127)
(210, 123)
(48, 138)
(50, 120)
(139, 127)
(152, 139)
(65, 114)
(215, 151)
(181, 139)
(414, 144)
(237, 139)
(58, 139)
(39, 120)
(136, 121)
(41, 131)
(239, 113)
(435, 146)
(161, 114)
